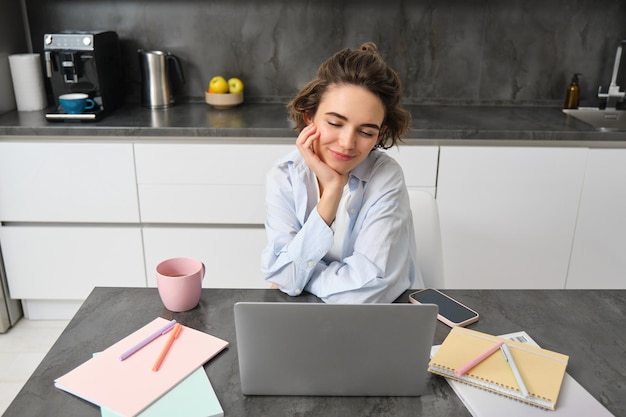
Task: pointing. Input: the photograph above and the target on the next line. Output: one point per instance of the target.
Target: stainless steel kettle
(156, 88)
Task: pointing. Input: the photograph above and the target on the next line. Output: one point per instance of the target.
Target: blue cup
(76, 103)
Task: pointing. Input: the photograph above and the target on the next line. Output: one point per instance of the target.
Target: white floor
(21, 350)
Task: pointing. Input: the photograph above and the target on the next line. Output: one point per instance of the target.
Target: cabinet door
(204, 183)
(67, 182)
(598, 259)
(66, 263)
(508, 215)
(419, 164)
(232, 255)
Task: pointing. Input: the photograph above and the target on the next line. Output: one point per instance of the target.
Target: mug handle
(90, 104)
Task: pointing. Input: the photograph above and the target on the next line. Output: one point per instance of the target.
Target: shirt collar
(363, 171)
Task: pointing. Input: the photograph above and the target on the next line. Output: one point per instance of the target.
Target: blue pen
(148, 339)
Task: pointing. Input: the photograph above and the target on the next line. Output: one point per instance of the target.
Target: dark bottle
(573, 93)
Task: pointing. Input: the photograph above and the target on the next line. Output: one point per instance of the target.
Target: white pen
(518, 376)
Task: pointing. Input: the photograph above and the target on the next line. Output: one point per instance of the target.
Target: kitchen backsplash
(446, 51)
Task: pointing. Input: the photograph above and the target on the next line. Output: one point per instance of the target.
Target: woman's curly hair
(362, 67)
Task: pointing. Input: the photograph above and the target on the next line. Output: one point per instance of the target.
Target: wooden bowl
(223, 101)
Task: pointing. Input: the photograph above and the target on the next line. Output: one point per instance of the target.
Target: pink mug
(179, 281)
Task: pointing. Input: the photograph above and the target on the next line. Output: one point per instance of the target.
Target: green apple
(235, 85)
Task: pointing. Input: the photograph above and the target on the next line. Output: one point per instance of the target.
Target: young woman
(338, 222)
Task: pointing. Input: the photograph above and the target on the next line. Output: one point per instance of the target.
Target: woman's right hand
(331, 182)
(327, 177)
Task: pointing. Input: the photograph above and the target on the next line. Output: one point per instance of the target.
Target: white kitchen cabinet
(78, 214)
(508, 214)
(598, 259)
(67, 182)
(66, 262)
(232, 255)
(206, 201)
(69, 221)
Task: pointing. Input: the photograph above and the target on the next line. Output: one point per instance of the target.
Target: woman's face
(349, 119)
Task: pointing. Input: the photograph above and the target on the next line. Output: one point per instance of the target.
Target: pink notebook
(127, 387)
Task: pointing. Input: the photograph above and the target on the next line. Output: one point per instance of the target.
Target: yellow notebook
(542, 370)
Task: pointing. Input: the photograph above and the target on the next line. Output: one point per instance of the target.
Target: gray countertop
(556, 319)
(431, 125)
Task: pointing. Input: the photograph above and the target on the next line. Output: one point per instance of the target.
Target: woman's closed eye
(366, 133)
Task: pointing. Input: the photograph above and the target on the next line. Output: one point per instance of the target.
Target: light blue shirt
(378, 255)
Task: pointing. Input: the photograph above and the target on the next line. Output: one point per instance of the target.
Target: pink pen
(169, 326)
(465, 368)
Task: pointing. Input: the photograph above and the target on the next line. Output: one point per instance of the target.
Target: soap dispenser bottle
(573, 93)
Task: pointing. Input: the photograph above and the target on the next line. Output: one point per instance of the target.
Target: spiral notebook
(574, 400)
(542, 370)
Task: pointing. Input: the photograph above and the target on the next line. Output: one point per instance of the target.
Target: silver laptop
(334, 349)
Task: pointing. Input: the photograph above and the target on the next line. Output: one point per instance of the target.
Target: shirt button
(311, 264)
(352, 211)
(298, 291)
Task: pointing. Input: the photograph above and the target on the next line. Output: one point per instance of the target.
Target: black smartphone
(451, 312)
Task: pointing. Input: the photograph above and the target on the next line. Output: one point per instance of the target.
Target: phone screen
(448, 308)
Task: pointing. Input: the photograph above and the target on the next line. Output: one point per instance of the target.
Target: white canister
(27, 76)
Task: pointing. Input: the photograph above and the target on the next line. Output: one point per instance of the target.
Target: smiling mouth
(341, 156)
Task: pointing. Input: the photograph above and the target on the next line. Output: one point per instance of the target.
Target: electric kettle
(156, 86)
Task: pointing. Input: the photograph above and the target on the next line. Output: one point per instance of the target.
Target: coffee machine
(84, 62)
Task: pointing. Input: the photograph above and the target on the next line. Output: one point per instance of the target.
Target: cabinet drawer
(221, 204)
(241, 164)
(232, 255)
(204, 183)
(66, 263)
(67, 182)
